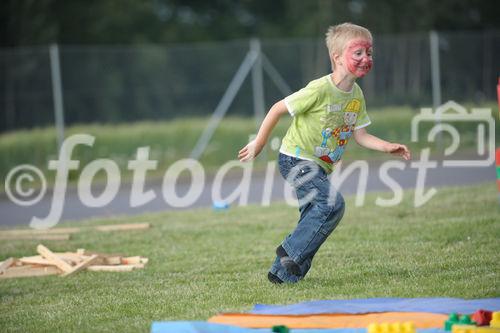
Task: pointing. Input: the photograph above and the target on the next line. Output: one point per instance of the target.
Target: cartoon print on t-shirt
(341, 134)
(323, 149)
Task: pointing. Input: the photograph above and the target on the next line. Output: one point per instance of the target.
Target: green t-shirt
(324, 118)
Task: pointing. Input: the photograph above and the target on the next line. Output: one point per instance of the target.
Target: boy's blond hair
(337, 37)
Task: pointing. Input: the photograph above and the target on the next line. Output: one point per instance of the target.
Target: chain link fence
(108, 84)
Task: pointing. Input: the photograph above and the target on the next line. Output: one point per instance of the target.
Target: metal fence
(153, 82)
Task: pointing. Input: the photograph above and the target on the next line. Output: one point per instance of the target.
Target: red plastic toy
(482, 317)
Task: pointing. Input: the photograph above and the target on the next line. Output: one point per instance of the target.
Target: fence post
(55, 70)
(435, 69)
(257, 82)
(436, 78)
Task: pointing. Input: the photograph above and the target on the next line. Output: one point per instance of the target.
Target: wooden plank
(106, 258)
(35, 237)
(35, 260)
(71, 258)
(131, 260)
(123, 227)
(53, 231)
(71, 255)
(134, 260)
(39, 260)
(28, 270)
(6, 264)
(20, 268)
(116, 268)
(49, 255)
(87, 262)
(114, 260)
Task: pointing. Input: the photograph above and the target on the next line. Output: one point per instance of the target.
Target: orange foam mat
(335, 320)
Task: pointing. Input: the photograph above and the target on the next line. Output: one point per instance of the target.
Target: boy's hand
(399, 149)
(250, 151)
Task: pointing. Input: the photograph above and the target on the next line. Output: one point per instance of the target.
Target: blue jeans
(321, 208)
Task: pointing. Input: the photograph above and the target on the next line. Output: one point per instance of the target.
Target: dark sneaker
(273, 278)
(291, 266)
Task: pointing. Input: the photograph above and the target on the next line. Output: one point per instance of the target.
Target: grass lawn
(204, 262)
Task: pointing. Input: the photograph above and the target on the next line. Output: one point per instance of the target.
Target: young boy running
(326, 114)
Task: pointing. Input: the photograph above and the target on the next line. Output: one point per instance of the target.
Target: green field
(174, 140)
(204, 262)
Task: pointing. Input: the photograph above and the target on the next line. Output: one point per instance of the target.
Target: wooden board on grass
(52, 257)
(122, 227)
(112, 260)
(35, 260)
(84, 264)
(134, 260)
(29, 270)
(106, 258)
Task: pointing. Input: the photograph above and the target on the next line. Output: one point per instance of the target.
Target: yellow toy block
(463, 328)
(486, 329)
(406, 327)
(495, 320)
(474, 329)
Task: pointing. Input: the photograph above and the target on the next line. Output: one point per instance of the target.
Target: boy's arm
(365, 139)
(252, 149)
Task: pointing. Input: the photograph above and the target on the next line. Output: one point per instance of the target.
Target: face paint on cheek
(359, 66)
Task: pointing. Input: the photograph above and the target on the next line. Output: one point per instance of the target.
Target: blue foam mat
(367, 305)
(204, 327)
